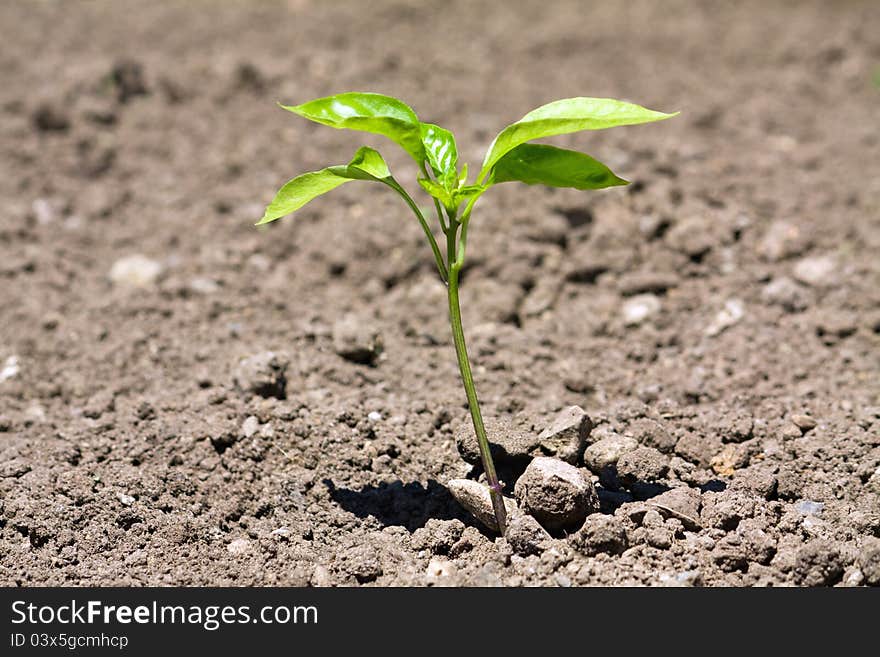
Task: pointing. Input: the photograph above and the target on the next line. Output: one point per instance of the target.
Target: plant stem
(467, 377)
(438, 257)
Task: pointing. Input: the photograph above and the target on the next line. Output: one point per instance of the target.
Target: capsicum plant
(511, 158)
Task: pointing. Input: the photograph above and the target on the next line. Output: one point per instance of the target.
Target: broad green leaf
(367, 112)
(564, 116)
(441, 152)
(367, 164)
(539, 164)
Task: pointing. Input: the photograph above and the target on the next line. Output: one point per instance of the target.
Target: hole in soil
(576, 217)
(410, 505)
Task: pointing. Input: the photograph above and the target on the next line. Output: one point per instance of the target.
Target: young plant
(510, 158)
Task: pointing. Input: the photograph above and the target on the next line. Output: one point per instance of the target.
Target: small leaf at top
(367, 164)
(439, 192)
(441, 152)
(540, 164)
(367, 112)
(564, 116)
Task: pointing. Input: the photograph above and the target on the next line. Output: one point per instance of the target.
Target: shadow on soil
(409, 505)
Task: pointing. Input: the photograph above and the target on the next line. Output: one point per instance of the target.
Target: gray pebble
(556, 493)
(601, 534)
(809, 508)
(263, 374)
(605, 452)
(356, 340)
(567, 434)
(642, 465)
(817, 271)
(803, 422)
(682, 503)
(135, 271)
(782, 240)
(640, 308)
(651, 433)
(250, 426)
(507, 442)
(525, 535)
(787, 294)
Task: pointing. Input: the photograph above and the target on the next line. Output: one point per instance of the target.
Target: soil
(723, 310)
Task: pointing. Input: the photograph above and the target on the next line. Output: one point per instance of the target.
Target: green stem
(438, 257)
(467, 377)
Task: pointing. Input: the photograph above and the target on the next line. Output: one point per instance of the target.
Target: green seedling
(510, 158)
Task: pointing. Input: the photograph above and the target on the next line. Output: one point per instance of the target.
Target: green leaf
(539, 164)
(367, 112)
(367, 164)
(564, 116)
(439, 192)
(441, 153)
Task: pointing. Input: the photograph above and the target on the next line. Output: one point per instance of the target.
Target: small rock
(637, 309)
(732, 312)
(803, 422)
(203, 285)
(507, 443)
(685, 578)
(693, 237)
(651, 434)
(809, 508)
(10, 368)
(100, 403)
(541, 298)
(263, 374)
(606, 452)
(782, 240)
(136, 271)
(642, 465)
(439, 570)
(784, 292)
(438, 536)
(682, 503)
(567, 434)
(355, 340)
(282, 533)
(556, 493)
(46, 211)
(731, 458)
(525, 535)
(734, 426)
(125, 500)
(601, 534)
(642, 282)
(475, 498)
(818, 271)
(869, 561)
(250, 426)
(726, 509)
(374, 416)
(239, 546)
(698, 448)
